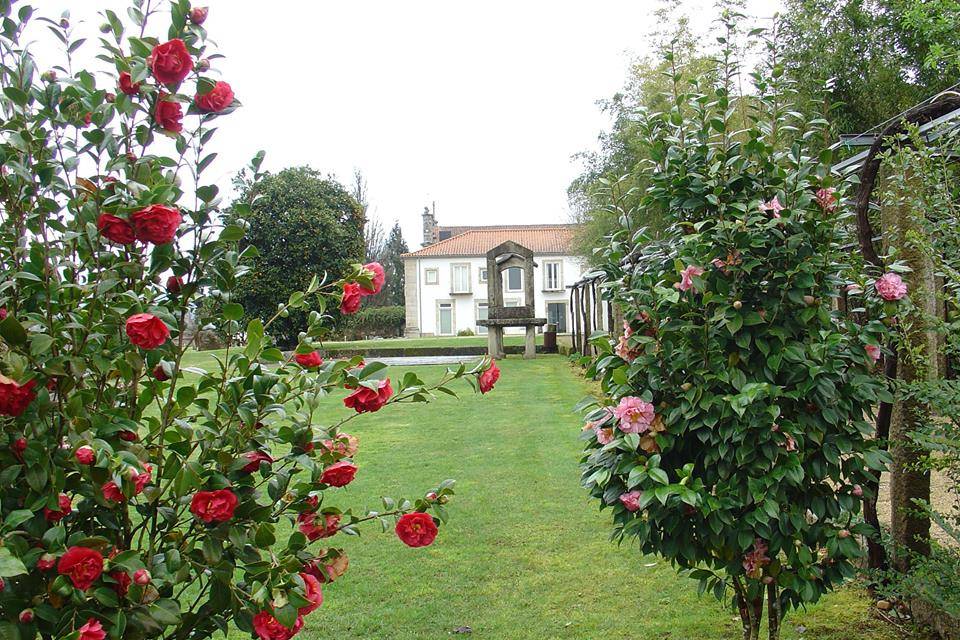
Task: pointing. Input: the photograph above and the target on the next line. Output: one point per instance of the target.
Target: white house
(446, 280)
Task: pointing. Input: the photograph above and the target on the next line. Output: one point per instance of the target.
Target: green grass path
(525, 556)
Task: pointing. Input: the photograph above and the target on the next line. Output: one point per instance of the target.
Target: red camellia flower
(489, 377)
(168, 115)
(255, 458)
(416, 529)
(85, 455)
(115, 229)
(198, 15)
(92, 630)
(170, 62)
(174, 285)
(128, 436)
(156, 223)
(214, 506)
(141, 478)
(269, 628)
(82, 565)
(314, 593)
(147, 331)
(308, 360)
(127, 84)
(122, 582)
(15, 397)
(142, 577)
(308, 525)
(215, 100)
(379, 277)
(26, 616)
(66, 506)
(352, 295)
(365, 399)
(111, 492)
(339, 474)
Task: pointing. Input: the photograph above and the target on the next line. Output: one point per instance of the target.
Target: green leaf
(12, 331)
(659, 475)
(10, 566)
(232, 311)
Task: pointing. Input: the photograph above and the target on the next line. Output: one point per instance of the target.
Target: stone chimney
(429, 226)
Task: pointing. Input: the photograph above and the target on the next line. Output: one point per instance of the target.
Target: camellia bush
(733, 437)
(141, 497)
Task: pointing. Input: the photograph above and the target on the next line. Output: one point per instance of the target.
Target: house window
(514, 279)
(557, 314)
(431, 276)
(482, 275)
(551, 275)
(483, 313)
(460, 278)
(444, 318)
(511, 302)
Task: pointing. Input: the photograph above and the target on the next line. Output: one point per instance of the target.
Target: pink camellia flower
(488, 377)
(623, 348)
(634, 414)
(687, 276)
(343, 445)
(378, 278)
(774, 206)
(890, 286)
(791, 444)
(142, 478)
(604, 436)
(631, 500)
(826, 199)
(85, 455)
(92, 630)
(756, 560)
(873, 351)
(352, 296)
(857, 490)
(198, 15)
(718, 263)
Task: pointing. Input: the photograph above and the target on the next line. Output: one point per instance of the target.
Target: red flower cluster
(308, 360)
(416, 529)
(115, 229)
(214, 506)
(170, 62)
(328, 526)
(216, 100)
(147, 331)
(269, 628)
(157, 223)
(82, 565)
(15, 397)
(65, 507)
(489, 377)
(367, 400)
(339, 474)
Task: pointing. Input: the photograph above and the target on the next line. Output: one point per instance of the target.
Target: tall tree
(301, 224)
(390, 250)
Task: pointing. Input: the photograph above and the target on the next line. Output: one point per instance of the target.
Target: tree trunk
(876, 553)
(773, 612)
(917, 362)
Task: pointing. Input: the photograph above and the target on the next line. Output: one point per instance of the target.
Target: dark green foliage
(384, 322)
(302, 225)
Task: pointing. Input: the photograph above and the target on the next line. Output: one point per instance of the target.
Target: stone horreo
(142, 497)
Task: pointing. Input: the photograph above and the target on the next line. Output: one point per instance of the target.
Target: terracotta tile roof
(476, 241)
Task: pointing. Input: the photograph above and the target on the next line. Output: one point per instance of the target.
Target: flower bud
(857, 490)
(3, 585)
(160, 374)
(431, 497)
(142, 577)
(174, 285)
(64, 23)
(46, 562)
(131, 157)
(198, 15)
(843, 533)
(686, 386)
(203, 64)
(809, 301)
(26, 616)
(110, 97)
(106, 28)
(49, 76)
(737, 305)
(85, 455)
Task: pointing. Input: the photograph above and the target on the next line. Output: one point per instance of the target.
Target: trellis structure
(589, 312)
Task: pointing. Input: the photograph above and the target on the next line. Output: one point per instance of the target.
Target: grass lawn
(525, 556)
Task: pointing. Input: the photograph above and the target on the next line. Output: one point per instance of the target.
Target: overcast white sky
(478, 106)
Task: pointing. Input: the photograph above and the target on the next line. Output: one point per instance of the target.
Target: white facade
(447, 295)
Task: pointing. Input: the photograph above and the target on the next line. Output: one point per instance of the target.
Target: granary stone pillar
(530, 344)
